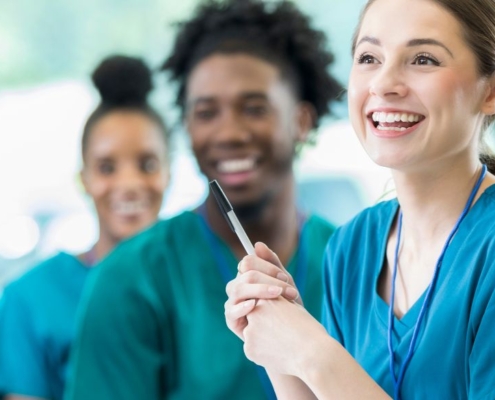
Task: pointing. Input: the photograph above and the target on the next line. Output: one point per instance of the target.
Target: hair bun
(123, 81)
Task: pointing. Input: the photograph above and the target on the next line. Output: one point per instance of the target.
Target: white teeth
(390, 128)
(129, 207)
(390, 118)
(394, 117)
(234, 166)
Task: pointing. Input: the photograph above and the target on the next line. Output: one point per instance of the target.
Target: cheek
(98, 188)
(157, 185)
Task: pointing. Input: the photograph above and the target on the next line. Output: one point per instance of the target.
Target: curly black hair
(124, 83)
(276, 32)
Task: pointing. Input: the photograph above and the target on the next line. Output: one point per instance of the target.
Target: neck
(431, 200)
(273, 222)
(104, 245)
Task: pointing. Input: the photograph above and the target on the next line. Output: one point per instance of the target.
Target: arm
(117, 353)
(303, 361)
(299, 347)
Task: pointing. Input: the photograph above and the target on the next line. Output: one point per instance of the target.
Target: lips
(394, 121)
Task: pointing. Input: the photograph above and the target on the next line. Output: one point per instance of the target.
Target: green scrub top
(152, 324)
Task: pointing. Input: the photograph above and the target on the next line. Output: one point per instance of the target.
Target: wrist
(318, 360)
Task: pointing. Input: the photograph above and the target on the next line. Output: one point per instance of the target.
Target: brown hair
(477, 18)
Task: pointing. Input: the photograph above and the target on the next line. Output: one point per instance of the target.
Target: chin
(124, 232)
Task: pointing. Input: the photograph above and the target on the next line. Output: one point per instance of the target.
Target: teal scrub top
(455, 352)
(153, 326)
(37, 324)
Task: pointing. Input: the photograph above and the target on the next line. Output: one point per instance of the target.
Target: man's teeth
(129, 207)
(394, 117)
(233, 166)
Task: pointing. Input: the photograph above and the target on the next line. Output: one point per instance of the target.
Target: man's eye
(205, 115)
(256, 111)
(106, 168)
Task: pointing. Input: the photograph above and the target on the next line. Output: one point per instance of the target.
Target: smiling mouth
(130, 208)
(236, 166)
(399, 122)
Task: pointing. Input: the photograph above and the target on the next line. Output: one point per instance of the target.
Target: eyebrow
(243, 96)
(410, 43)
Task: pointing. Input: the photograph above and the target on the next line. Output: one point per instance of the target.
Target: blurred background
(48, 49)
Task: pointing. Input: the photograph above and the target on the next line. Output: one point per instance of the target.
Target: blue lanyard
(225, 271)
(402, 368)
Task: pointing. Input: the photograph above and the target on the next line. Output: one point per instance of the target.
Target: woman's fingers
(235, 316)
(267, 262)
(235, 311)
(257, 285)
(264, 252)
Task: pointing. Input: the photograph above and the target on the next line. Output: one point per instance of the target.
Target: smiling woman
(125, 172)
(409, 308)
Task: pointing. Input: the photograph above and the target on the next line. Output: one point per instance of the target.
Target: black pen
(230, 216)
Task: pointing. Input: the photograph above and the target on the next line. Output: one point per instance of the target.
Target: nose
(232, 128)
(130, 178)
(389, 82)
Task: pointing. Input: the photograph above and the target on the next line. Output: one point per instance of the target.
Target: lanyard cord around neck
(398, 380)
(225, 271)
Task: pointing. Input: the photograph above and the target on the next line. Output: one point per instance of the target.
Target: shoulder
(318, 223)
(148, 248)
(370, 222)
(40, 277)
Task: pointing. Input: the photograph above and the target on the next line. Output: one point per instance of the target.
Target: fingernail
(275, 290)
(292, 293)
(283, 277)
(248, 303)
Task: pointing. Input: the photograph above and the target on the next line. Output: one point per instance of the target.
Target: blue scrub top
(37, 323)
(455, 351)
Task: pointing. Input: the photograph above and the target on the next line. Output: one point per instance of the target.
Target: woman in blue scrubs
(125, 172)
(409, 306)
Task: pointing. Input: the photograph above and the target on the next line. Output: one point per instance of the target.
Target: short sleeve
(22, 364)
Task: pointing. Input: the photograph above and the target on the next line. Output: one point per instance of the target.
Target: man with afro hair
(252, 83)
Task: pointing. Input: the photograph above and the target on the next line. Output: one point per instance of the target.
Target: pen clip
(222, 201)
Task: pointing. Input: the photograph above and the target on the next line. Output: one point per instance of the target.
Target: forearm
(335, 374)
(290, 387)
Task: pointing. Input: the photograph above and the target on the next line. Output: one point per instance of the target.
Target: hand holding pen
(261, 274)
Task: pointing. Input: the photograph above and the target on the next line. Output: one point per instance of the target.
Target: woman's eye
(425, 59)
(366, 59)
(106, 168)
(149, 165)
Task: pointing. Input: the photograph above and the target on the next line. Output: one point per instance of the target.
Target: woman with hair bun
(125, 171)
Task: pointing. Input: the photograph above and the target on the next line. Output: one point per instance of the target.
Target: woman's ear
(488, 107)
(306, 117)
